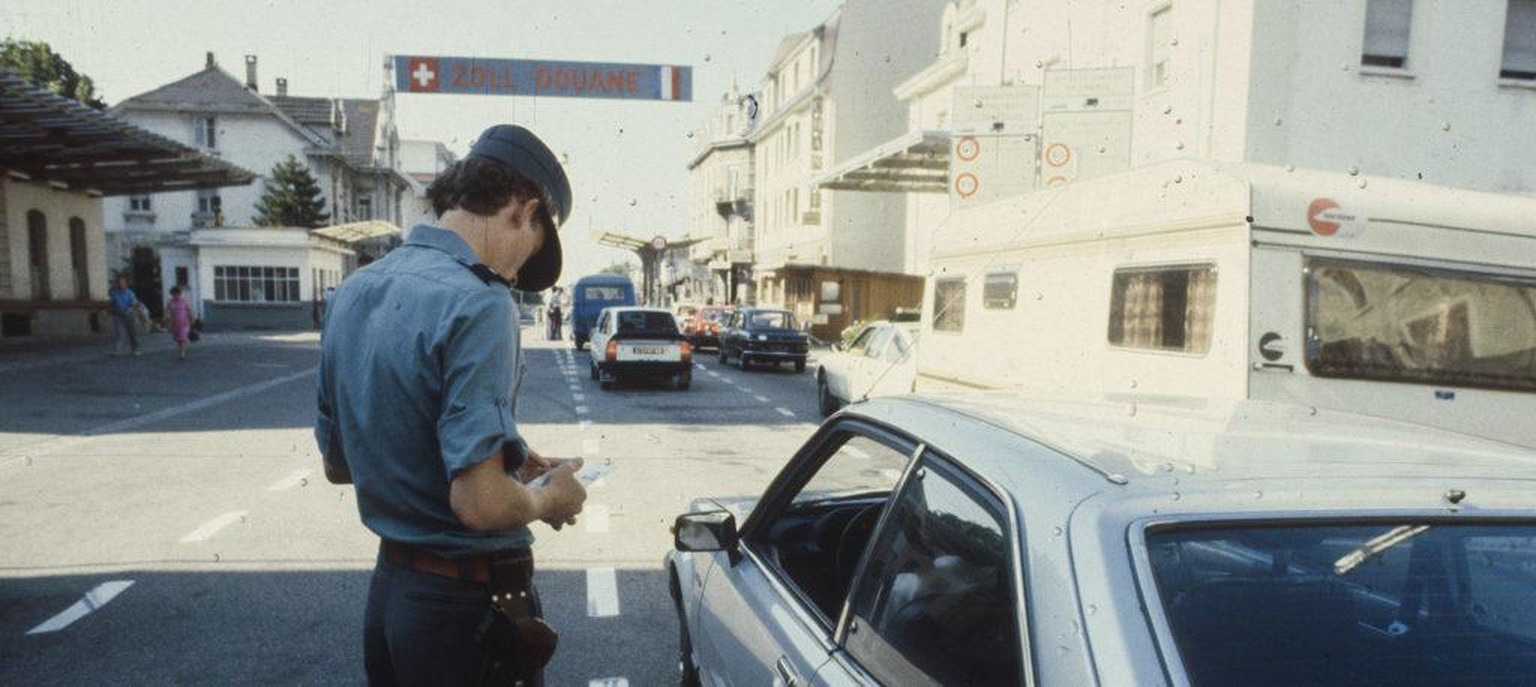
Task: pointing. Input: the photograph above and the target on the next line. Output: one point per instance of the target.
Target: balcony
(738, 204)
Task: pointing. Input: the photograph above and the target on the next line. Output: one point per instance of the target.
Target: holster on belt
(533, 641)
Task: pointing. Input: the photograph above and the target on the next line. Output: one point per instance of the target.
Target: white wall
(57, 206)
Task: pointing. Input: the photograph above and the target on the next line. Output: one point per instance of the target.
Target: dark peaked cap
(519, 150)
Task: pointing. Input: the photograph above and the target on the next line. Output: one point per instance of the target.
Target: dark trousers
(420, 628)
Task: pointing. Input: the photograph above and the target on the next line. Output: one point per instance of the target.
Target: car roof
(638, 308)
(1215, 441)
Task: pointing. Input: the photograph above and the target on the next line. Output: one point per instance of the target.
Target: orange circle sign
(1317, 217)
(966, 185)
(968, 148)
(1057, 154)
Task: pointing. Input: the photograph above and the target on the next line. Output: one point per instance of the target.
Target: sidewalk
(30, 353)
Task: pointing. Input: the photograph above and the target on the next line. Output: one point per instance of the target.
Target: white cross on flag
(423, 74)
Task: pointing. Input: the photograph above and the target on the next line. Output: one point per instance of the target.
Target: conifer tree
(292, 198)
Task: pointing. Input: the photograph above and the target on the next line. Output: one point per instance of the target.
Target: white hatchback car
(636, 342)
(880, 361)
(993, 539)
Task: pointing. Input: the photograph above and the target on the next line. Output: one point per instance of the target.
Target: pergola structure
(48, 138)
(915, 162)
(650, 252)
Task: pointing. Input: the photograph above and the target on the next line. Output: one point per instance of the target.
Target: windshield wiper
(1376, 547)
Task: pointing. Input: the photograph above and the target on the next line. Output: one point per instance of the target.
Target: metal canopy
(357, 231)
(915, 162)
(50, 138)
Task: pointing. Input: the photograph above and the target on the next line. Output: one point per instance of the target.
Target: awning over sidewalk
(50, 138)
(915, 162)
(357, 231)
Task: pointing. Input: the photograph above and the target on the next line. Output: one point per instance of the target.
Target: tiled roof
(362, 129)
(210, 90)
(304, 110)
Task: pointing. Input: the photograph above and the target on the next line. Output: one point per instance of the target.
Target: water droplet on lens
(887, 59)
(304, 482)
(1353, 170)
(1131, 410)
(1173, 41)
(1133, 384)
(1178, 146)
(1102, 150)
(1312, 410)
(1177, 496)
(706, 58)
(215, 558)
(1445, 126)
(1076, 628)
(1344, 67)
(1092, 609)
(1362, 183)
(690, 134)
(1168, 109)
(976, 103)
(1279, 121)
(1290, 168)
(1039, 64)
(1258, 494)
(1178, 179)
(633, 202)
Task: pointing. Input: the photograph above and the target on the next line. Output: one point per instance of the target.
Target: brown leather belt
(474, 569)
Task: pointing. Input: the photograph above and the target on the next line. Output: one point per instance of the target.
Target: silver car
(990, 539)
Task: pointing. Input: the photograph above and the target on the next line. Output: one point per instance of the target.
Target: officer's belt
(512, 568)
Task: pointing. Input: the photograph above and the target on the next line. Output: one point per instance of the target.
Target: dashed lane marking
(93, 600)
(293, 479)
(761, 399)
(785, 412)
(579, 396)
(582, 410)
(602, 593)
(609, 682)
(596, 518)
(206, 531)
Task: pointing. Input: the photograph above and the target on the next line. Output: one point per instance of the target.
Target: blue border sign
(483, 76)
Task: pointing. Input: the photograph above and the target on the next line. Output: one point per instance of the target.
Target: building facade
(350, 147)
(720, 202)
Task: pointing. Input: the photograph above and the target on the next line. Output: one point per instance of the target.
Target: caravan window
(1163, 308)
(949, 305)
(1400, 323)
(1000, 291)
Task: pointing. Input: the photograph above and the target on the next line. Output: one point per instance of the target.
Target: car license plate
(649, 353)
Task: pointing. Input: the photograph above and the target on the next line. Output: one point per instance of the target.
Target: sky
(627, 160)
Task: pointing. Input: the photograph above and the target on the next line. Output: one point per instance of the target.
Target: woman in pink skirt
(178, 319)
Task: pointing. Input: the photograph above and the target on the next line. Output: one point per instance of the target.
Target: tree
(35, 61)
(292, 198)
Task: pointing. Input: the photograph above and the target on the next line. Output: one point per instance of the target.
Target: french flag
(676, 83)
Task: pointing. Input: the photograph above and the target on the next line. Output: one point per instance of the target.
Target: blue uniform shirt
(420, 366)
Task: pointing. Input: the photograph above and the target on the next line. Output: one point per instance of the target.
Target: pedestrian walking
(419, 411)
(178, 321)
(555, 317)
(124, 303)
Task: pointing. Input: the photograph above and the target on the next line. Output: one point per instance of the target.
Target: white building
(1443, 93)
(421, 161)
(831, 256)
(720, 201)
(350, 146)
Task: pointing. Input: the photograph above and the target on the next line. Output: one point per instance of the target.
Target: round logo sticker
(1057, 154)
(966, 185)
(968, 148)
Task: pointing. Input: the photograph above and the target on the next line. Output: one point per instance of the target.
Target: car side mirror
(708, 531)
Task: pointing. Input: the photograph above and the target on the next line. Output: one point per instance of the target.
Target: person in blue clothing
(124, 324)
(420, 368)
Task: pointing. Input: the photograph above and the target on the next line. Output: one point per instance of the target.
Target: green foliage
(292, 198)
(35, 61)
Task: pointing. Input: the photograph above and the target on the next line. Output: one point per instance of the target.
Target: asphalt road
(168, 522)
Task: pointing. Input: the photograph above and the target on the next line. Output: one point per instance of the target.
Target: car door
(936, 597)
(769, 617)
(842, 366)
(896, 367)
(868, 367)
(600, 333)
(730, 339)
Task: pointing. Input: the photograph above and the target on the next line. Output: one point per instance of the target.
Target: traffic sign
(486, 76)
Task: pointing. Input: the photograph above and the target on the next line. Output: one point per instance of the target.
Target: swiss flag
(422, 74)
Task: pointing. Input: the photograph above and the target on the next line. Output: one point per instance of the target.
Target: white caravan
(1386, 297)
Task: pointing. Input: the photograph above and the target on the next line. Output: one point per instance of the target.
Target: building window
(1000, 291)
(205, 132)
(37, 254)
(949, 305)
(241, 284)
(1386, 33)
(364, 208)
(210, 209)
(1164, 308)
(1160, 48)
(78, 260)
(139, 204)
(1520, 41)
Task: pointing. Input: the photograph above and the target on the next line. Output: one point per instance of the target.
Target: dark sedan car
(763, 335)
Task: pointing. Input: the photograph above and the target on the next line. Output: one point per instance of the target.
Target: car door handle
(787, 672)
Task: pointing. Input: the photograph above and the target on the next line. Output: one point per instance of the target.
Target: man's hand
(563, 494)
(536, 465)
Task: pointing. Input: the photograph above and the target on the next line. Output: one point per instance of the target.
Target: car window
(879, 342)
(860, 344)
(897, 351)
(646, 321)
(817, 539)
(1387, 603)
(602, 321)
(934, 604)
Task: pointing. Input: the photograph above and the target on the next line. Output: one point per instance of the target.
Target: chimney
(211, 62)
(250, 72)
(282, 86)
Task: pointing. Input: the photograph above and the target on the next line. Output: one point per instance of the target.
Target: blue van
(593, 293)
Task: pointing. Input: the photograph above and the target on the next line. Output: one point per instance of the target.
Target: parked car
(764, 335)
(591, 294)
(639, 343)
(993, 539)
(703, 329)
(878, 361)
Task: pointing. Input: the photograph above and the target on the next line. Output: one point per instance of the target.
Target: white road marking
(785, 412)
(584, 425)
(746, 390)
(21, 453)
(712, 373)
(761, 399)
(94, 600)
(596, 518)
(582, 410)
(579, 396)
(590, 447)
(294, 479)
(206, 531)
(609, 682)
(602, 593)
